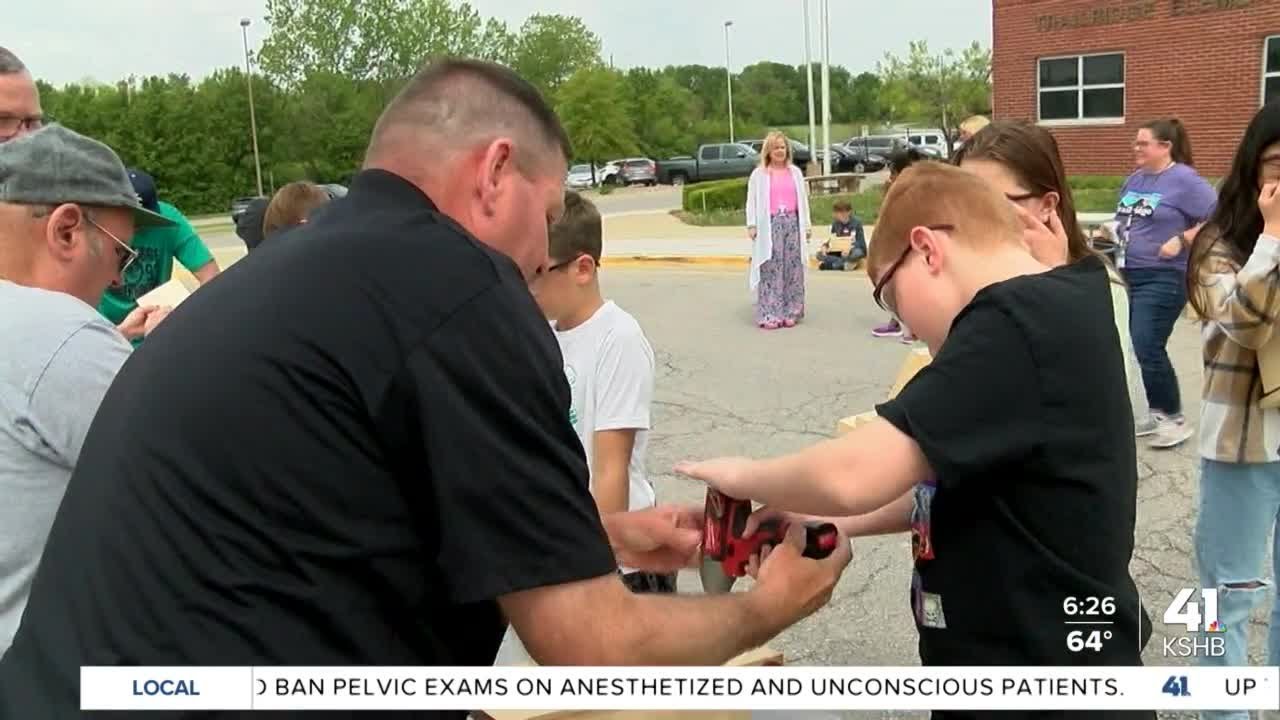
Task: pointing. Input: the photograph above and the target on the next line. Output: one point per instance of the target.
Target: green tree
(942, 88)
(662, 112)
(770, 93)
(864, 98)
(373, 39)
(594, 108)
(551, 48)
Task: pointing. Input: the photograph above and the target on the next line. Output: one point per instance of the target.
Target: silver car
(580, 177)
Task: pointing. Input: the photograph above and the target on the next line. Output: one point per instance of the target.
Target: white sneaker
(1170, 432)
(1148, 427)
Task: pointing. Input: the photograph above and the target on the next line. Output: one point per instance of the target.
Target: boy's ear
(927, 242)
(584, 268)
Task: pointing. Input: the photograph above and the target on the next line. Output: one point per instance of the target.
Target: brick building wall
(1198, 60)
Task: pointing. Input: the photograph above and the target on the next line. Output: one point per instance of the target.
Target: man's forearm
(674, 630)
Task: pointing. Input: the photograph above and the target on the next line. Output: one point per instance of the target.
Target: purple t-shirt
(1154, 207)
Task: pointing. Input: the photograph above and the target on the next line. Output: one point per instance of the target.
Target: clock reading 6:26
(1088, 606)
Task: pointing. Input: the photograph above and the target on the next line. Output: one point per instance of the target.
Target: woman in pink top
(778, 224)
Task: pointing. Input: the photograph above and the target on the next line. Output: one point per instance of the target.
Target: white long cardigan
(758, 218)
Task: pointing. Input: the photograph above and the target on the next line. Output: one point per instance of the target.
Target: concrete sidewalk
(661, 239)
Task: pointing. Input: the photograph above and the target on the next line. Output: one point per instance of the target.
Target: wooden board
(912, 364)
(840, 244)
(915, 361)
(762, 656)
(171, 293)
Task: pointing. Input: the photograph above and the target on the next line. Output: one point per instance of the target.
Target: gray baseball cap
(54, 165)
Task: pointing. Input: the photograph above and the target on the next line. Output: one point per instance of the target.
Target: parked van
(929, 139)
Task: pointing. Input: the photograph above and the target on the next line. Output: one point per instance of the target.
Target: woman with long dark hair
(1162, 205)
(1022, 161)
(1233, 282)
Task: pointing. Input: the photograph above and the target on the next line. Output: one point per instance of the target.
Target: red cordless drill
(725, 552)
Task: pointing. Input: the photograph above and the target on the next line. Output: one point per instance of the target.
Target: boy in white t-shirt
(607, 360)
(610, 368)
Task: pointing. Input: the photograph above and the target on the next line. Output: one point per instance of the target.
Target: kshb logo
(1185, 611)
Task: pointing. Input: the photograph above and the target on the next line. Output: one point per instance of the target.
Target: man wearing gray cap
(66, 206)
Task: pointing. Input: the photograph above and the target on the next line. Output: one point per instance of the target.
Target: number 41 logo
(1184, 611)
(1177, 686)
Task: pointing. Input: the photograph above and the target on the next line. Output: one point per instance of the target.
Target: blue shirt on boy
(850, 228)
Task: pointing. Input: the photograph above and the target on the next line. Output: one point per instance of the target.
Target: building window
(1271, 70)
(1084, 87)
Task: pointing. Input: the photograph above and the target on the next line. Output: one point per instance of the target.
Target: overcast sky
(68, 40)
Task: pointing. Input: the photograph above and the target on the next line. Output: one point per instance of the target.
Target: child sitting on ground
(1018, 484)
(847, 227)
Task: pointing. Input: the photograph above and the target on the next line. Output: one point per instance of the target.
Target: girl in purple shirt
(1162, 206)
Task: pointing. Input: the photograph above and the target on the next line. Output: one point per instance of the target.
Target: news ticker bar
(679, 688)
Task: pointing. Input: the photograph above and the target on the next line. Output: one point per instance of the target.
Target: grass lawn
(866, 207)
(1092, 194)
(839, 132)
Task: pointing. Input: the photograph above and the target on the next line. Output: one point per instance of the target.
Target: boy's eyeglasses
(877, 293)
(570, 261)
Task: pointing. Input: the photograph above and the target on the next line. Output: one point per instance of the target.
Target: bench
(834, 183)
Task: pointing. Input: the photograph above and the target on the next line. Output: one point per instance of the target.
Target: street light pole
(728, 75)
(825, 29)
(253, 120)
(808, 74)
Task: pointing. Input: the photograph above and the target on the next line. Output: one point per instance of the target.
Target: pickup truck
(713, 162)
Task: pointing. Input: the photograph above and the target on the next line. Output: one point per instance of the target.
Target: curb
(675, 260)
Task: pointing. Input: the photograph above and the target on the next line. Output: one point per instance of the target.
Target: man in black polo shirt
(353, 447)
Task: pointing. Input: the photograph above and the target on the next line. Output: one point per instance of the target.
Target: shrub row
(728, 194)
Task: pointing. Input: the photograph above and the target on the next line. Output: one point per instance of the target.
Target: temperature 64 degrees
(1081, 640)
(1177, 686)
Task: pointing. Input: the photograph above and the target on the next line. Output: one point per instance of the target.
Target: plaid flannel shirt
(1243, 303)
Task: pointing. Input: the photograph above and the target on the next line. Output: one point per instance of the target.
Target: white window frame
(1080, 87)
(1262, 90)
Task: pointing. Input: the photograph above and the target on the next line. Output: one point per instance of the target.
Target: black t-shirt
(1025, 420)
(249, 224)
(339, 452)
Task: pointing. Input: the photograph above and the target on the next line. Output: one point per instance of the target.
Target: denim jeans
(1239, 503)
(1156, 299)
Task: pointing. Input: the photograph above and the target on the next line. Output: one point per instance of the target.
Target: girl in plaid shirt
(1233, 282)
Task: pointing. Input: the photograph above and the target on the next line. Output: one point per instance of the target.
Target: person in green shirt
(156, 250)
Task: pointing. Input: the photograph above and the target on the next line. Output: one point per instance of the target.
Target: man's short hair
(469, 101)
(934, 194)
(841, 206)
(10, 64)
(578, 232)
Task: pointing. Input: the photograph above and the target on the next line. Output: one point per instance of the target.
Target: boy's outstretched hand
(733, 476)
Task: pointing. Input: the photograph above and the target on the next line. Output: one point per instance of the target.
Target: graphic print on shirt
(139, 279)
(1138, 204)
(927, 606)
(572, 376)
(921, 511)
